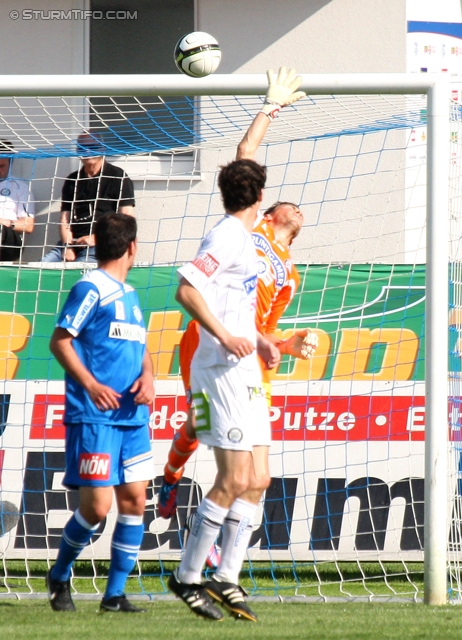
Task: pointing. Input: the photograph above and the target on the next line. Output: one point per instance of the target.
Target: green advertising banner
(370, 320)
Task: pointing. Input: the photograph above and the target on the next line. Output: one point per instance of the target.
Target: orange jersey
(278, 280)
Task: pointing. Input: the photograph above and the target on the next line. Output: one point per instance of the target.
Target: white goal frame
(436, 89)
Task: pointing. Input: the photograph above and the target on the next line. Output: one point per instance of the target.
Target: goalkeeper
(277, 284)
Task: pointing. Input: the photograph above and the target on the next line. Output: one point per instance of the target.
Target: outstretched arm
(249, 144)
(302, 344)
(282, 91)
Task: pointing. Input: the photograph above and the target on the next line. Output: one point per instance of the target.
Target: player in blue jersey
(100, 341)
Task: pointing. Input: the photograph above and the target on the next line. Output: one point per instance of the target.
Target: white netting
(344, 514)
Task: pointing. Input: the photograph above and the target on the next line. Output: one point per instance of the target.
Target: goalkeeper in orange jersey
(277, 283)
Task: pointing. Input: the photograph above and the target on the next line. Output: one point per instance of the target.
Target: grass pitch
(30, 616)
(164, 620)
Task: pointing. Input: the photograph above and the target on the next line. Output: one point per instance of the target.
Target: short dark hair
(241, 183)
(114, 232)
(6, 146)
(90, 142)
(277, 204)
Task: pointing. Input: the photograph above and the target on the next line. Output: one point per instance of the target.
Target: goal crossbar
(216, 84)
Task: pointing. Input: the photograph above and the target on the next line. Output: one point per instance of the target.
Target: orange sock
(181, 450)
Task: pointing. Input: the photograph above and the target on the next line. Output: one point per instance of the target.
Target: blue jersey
(105, 319)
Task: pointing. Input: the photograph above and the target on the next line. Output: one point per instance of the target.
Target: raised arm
(282, 91)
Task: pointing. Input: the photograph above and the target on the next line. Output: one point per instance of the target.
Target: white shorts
(229, 413)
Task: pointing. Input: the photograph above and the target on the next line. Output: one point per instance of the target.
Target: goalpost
(368, 159)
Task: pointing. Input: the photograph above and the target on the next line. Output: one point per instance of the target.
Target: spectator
(17, 208)
(96, 189)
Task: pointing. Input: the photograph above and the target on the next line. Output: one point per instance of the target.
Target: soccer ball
(9, 516)
(197, 54)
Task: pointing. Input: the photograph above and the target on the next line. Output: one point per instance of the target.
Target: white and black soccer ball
(197, 54)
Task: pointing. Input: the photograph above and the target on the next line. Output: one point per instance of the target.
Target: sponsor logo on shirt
(256, 392)
(94, 466)
(119, 310)
(206, 263)
(125, 331)
(262, 243)
(88, 302)
(250, 284)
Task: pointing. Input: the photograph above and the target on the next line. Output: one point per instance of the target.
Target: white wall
(314, 36)
(432, 11)
(42, 46)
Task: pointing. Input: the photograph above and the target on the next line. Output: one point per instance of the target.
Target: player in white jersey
(17, 208)
(108, 450)
(218, 289)
(278, 280)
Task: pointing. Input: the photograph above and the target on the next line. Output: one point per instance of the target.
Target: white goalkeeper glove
(282, 90)
(302, 344)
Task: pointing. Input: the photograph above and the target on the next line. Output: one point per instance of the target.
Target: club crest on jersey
(262, 243)
(5, 192)
(94, 466)
(235, 435)
(262, 266)
(119, 310)
(250, 284)
(206, 263)
(137, 313)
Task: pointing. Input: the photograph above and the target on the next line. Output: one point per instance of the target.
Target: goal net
(344, 515)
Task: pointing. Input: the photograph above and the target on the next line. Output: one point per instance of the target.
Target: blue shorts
(107, 455)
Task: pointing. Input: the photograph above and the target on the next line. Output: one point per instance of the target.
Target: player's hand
(69, 255)
(302, 344)
(240, 347)
(269, 353)
(87, 241)
(282, 90)
(104, 397)
(143, 387)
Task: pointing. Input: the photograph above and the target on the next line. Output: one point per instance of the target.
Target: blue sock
(126, 542)
(76, 535)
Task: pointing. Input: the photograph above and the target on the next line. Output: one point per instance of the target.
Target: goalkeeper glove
(302, 344)
(282, 90)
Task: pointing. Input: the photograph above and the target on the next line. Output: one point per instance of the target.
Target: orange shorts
(188, 345)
